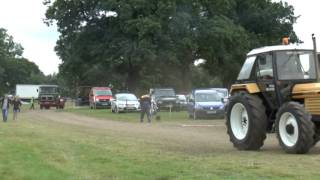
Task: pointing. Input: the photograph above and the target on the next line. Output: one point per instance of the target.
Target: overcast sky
(308, 20)
(24, 21)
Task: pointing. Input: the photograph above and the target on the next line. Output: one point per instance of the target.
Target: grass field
(39, 147)
(129, 116)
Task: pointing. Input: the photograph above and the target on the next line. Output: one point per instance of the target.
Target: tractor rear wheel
(246, 121)
(294, 128)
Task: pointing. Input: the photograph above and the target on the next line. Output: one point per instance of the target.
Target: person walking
(5, 107)
(16, 103)
(32, 103)
(145, 104)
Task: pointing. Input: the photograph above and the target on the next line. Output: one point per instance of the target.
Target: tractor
(277, 90)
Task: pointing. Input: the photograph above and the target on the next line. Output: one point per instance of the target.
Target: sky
(24, 21)
(307, 23)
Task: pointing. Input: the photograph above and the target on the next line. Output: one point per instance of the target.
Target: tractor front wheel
(246, 121)
(294, 128)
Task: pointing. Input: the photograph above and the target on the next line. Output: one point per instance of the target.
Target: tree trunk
(132, 76)
(186, 79)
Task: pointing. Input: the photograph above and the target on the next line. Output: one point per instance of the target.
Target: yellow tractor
(277, 90)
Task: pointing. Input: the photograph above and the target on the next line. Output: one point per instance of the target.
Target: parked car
(100, 97)
(82, 96)
(182, 101)
(124, 102)
(164, 98)
(205, 103)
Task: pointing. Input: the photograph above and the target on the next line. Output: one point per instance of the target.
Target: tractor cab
(276, 70)
(277, 89)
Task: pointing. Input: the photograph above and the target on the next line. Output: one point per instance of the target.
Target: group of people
(5, 105)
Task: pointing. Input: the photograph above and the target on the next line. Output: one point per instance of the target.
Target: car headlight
(221, 107)
(121, 105)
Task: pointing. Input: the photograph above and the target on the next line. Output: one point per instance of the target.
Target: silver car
(124, 102)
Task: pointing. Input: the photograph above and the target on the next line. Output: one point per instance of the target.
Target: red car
(100, 97)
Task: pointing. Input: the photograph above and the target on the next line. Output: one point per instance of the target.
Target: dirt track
(192, 137)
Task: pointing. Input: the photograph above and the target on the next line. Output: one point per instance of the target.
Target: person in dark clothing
(16, 103)
(145, 103)
(5, 107)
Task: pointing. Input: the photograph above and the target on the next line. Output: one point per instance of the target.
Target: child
(16, 107)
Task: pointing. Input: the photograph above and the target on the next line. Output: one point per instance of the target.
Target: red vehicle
(100, 97)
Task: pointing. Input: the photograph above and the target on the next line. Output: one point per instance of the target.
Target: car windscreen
(182, 97)
(103, 92)
(164, 92)
(126, 97)
(295, 65)
(208, 97)
(48, 90)
(224, 92)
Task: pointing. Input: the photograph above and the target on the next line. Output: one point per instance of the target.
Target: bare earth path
(193, 137)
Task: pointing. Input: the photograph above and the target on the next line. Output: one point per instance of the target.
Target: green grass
(41, 149)
(128, 117)
(46, 150)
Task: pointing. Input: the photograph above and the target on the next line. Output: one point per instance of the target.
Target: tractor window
(246, 68)
(296, 65)
(264, 70)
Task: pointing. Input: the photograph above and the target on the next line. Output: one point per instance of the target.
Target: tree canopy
(138, 44)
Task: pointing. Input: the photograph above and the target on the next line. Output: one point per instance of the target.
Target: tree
(138, 44)
(229, 29)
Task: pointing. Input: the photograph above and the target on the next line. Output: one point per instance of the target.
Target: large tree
(142, 43)
(230, 28)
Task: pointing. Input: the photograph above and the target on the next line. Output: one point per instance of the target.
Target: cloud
(24, 21)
